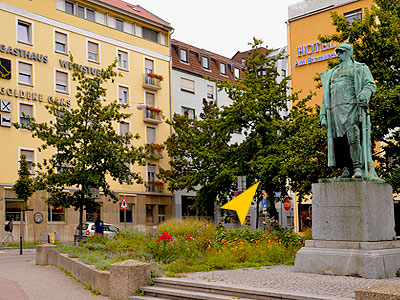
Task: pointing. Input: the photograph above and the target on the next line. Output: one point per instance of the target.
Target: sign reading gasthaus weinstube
(314, 49)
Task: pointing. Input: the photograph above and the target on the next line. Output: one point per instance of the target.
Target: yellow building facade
(309, 57)
(35, 70)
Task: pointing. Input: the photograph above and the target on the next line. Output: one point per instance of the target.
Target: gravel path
(284, 278)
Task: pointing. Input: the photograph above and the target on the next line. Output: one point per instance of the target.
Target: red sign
(287, 205)
(265, 195)
(124, 204)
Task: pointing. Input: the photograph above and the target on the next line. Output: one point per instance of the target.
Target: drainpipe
(173, 208)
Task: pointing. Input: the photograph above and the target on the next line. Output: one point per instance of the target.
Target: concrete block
(380, 291)
(353, 211)
(128, 276)
(42, 253)
(382, 263)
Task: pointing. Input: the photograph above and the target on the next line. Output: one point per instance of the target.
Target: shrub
(200, 231)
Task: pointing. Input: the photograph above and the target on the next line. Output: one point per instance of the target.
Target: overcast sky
(224, 26)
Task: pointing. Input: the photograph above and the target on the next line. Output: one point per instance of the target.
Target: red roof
(194, 62)
(136, 10)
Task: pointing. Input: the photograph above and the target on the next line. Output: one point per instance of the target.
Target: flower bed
(190, 245)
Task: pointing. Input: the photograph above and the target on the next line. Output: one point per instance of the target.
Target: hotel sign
(312, 49)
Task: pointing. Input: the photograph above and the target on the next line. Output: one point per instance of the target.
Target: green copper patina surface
(348, 87)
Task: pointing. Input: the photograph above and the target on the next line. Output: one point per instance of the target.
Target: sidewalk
(21, 279)
(283, 278)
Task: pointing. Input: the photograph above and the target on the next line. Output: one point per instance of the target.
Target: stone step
(180, 288)
(144, 298)
(180, 294)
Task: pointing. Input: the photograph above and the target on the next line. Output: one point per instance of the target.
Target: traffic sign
(265, 204)
(287, 205)
(124, 204)
(265, 195)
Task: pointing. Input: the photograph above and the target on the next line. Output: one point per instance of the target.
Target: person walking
(9, 229)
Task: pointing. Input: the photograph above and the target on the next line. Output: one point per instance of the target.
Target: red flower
(188, 237)
(165, 237)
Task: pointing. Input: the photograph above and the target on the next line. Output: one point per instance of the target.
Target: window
(205, 62)
(93, 51)
(24, 32)
(25, 73)
(90, 14)
(123, 128)
(93, 213)
(13, 209)
(119, 24)
(122, 60)
(25, 113)
(236, 73)
(189, 111)
(353, 15)
(29, 154)
(56, 213)
(149, 213)
(80, 12)
(126, 212)
(61, 42)
(210, 92)
(148, 65)
(123, 95)
(222, 68)
(150, 35)
(187, 85)
(69, 7)
(283, 72)
(61, 81)
(183, 55)
(161, 213)
(151, 176)
(150, 99)
(150, 135)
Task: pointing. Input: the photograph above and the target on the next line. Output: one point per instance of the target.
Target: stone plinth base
(353, 210)
(380, 291)
(366, 259)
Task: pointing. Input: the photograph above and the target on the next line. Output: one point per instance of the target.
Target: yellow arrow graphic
(241, 204)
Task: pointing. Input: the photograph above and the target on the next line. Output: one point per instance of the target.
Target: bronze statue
(348, 87)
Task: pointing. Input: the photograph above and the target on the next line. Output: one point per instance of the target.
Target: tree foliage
(86, 148)
(376, 42)
(275, 146)
(24, 187)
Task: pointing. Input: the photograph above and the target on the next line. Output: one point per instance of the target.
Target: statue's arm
(325, 85)
(368, 87)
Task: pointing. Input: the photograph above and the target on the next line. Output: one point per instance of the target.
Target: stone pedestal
(353, 228)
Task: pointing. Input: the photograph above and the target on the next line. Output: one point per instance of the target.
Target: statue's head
(344, 52)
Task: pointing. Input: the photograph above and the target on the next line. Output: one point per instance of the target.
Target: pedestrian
(99, 226)
(8, 228)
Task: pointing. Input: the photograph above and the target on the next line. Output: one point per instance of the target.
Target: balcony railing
(154, 186)
(152, 115)
(154, 151)
(151, 82)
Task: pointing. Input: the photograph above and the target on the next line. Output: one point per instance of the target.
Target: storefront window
(149, 213)
(13, 209)
(57, 213)
(161, 213)
(128, 212)
(92, 214)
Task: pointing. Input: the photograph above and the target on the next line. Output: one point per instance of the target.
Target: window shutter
(150, 99)
(28, 154)
(25, 68)
(61, 78)
(187, 85)
(61, 38)
(123, 128)
(26, 109)
(93, 48)
(150, 135)
(148, 64)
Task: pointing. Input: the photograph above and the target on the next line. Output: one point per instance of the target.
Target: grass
(190, 245)
(17, 245)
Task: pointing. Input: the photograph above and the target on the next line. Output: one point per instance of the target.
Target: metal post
(125, 217)
(20, 233)
(51, 218)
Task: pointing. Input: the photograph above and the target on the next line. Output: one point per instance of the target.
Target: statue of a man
(348, 87)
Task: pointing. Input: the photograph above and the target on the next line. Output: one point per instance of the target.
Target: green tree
(86, 149)
(24, 187)
(376, 42)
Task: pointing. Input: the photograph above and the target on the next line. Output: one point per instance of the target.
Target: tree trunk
(80, 222)
(272, 209)
(257, 212)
